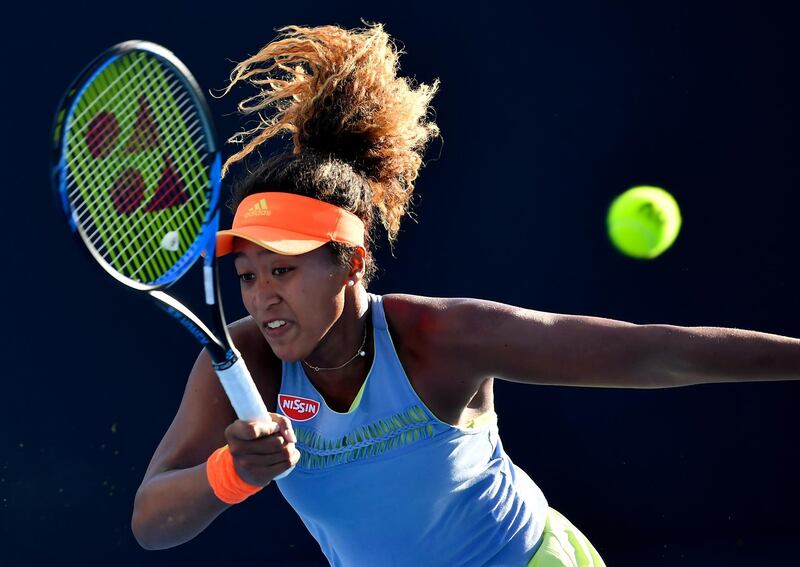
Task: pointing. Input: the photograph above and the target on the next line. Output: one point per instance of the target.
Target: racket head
(136, 169)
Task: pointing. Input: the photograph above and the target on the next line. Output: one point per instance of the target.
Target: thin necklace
(359, 352)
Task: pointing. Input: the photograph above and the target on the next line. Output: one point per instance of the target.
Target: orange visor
(290, 224)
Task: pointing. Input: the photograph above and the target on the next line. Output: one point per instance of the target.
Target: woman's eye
(246, 277)
(277, 269)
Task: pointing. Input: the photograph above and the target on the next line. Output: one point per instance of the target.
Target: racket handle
(243, 394)
(242, 391)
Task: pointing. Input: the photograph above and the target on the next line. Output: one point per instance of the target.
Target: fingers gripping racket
(137, 174)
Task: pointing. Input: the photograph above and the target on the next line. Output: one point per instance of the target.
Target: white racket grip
(242, 392)
(244, 396)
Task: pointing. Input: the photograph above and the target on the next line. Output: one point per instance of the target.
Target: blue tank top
(387, 483)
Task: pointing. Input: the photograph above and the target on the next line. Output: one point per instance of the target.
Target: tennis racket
(137, 175)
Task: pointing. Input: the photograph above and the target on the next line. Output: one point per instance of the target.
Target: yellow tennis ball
(643, 221)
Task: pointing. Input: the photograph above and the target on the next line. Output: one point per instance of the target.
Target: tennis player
(383, 404)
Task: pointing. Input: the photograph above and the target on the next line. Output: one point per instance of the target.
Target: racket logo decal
(171, 190)
(186, 322)
(102, 134)
(127, 192)
(145, 134)
(297, 408)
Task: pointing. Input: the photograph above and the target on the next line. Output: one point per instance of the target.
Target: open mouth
(276, 331)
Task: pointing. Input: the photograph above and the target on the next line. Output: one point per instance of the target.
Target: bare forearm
(699, 355)
(173, 507)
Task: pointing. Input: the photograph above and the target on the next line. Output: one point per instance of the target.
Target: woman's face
(306, 291)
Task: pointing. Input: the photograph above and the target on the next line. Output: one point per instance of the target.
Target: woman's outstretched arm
(537, 347)
(700, 355)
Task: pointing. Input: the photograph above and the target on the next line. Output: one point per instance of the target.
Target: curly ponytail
(358, 130)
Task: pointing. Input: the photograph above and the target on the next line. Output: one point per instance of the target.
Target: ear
(359, 262)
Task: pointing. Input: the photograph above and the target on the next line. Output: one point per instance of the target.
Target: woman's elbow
(142, 524)
(139, 527)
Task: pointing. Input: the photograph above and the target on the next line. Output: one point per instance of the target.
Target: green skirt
(563, 545)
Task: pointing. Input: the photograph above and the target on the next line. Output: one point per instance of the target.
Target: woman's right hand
(262, 450)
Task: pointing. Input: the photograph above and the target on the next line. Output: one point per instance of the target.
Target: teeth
(276, 324)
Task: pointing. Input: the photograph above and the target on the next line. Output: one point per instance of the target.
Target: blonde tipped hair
(336, 91)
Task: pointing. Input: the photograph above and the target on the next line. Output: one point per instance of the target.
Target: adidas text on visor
(290, 224)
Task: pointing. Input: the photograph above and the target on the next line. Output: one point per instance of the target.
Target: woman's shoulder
(418, 312)
(420, 327)
(408, 312)
(432, 331)
(264, 366)
(416, 319)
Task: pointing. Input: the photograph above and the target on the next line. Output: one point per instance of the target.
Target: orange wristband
(224, 480)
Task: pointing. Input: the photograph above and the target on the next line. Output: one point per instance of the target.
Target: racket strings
(83, 163)
(121, 180)
(98, 96)
(131, 197)
(143, 229)
(127, 110)
(158, 249)
(125, 103)
(175, 134)
(148, 230)
(79, 165)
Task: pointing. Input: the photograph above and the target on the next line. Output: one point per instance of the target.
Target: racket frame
(226, 360)
(216, 339)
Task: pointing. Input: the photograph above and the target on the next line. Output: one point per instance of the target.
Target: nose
(265, 294)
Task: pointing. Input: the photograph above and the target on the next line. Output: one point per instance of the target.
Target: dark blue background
(547, 113)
